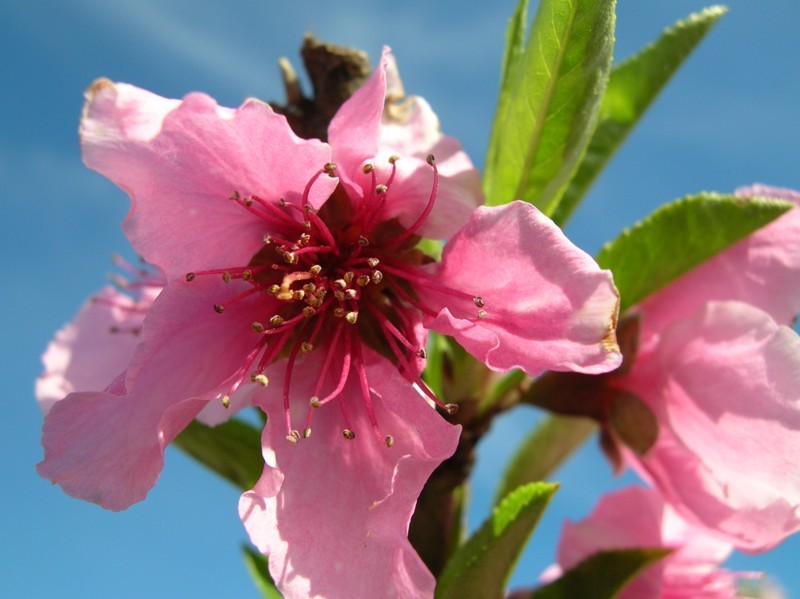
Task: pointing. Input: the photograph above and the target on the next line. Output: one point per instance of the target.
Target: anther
(393, 158)
(257, 327)
(451, 408)
(276, 320)
(307, 225)
(273, 289)
(306, 347)
(367, 168)
(351, 294)
(266, 239)
(309, 287)
(348, 277)
(381, 189)
(340, 284)
(348, 434)
(190, 276)
(363, 241)
(247, 275)
(389, 440)
(314, 402)
(226, 277)
(315, 270)
(373, 262)
(219, 308)
(422, 353)
(339, 295)
(362, 280)
(247, 201)
(289, 258)
(482, 314)
(329, 168)
(226, 401)
(308, 311)
(377, 277)
(234, 196)
(478, 301)
(351, 317)
(298, 295)
(261, 379)
(292, 437)
(307, 433)
(430, 159)
(339, 312)
(282, 203)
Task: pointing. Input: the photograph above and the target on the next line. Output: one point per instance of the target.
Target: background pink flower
(636, 517)
(722, 374)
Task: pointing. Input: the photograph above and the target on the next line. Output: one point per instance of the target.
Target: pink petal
(87, 354)
(411, 130)
(355, 129)
(725, 384)
(548, 305)
(181, 160)
(333, 514)
(456, 197)
(636, 517)
(109, 447)
(762, 270)
(369, 129)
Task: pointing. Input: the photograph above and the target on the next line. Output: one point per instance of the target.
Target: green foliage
(679, 236)
(632, 87)
(602, 575)
(258, 568)
(231, 449)
(481, 567)
(553, 441)
(549, 99)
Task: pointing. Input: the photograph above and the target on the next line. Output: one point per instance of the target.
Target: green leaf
(231, 449)
(549, 101)
(632, 87)
(512, 55)
(546, 448)
(481, 567)
(258, 568)
(679, 236)
(602, 575)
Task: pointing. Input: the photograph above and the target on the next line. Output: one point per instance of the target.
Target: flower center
(340, 278)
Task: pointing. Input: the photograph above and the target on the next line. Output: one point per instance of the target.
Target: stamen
(348, 434)
(365, 392)
(220, 308)
(414, 275)
(328, 168)
(389, 440)
(425, 213)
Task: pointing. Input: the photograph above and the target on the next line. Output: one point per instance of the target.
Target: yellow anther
(260, 379)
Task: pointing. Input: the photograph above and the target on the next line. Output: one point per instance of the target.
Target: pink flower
(294, 278)
(721, 371)
(636, 517)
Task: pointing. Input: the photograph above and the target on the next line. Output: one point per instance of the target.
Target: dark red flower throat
(338, 278)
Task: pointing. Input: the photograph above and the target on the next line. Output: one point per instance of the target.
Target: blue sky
(729, 118)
